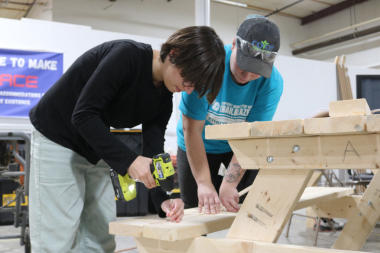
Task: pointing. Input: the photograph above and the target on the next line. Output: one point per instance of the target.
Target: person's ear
(173, 52)
(233, 43)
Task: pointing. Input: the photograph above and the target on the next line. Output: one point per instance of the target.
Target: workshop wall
(308, 84)
(160, 18)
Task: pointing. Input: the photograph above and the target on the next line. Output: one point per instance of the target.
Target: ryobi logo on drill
(262, 45)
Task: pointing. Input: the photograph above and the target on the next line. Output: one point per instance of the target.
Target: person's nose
(189, 90)
(254, 76)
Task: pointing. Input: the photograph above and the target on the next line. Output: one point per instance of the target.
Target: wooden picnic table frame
(287, 153)
(286, 165)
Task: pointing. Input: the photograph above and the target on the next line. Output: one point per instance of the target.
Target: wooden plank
(309, 221)
(343, 77)
(346, 78)
(356, 124)
(339, 125)
(347, 82)
(277, 128)
(146, 245)
(318, 152)
(193, 224)
(373, 123)
(223, 245)
(340, 79)
(338, 208)
(269, 204)
(228, 245)
(349, 108)
(228, 131)
(343, 86)
(257, 129)
(323, 194)
(363, 219)
(314, 178)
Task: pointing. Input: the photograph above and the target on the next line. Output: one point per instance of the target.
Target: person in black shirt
(121, 84)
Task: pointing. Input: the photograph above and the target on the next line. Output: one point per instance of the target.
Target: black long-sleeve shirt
(109, 85)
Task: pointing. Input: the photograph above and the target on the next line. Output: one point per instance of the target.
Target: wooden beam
(349, 108)
(314, 178)
(257, 129)
(277, 128)
(193, 224)
(373, 123)
(269, 204)
(227, 245)
(309, 221)
(318, 195)
(362, 220)
(337, 208)
(146, 245)
(329, 11)
(228, 131)
(347, 80)
(339, 125)
(318, 152)
(340, 78)
(223, 245)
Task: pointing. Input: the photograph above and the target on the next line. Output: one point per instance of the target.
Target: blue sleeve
(266, 102)
(194, 107)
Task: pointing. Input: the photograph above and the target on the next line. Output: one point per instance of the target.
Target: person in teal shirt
(251, 90)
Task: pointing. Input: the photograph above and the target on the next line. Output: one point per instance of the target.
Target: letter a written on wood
(351, 149)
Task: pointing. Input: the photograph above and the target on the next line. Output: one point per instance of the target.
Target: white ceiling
(300, 10)
(8, 8)
(15, 9)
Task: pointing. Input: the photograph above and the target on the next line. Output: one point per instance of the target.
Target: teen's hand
(208, 197)
(230, 197)
(140, 171)
(174, 211)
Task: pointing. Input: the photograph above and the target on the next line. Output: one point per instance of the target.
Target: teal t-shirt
(255, 101)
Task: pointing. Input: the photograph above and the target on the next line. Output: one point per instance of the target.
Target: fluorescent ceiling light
(231, 3)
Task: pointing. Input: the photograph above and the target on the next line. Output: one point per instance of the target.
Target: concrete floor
(299, 235)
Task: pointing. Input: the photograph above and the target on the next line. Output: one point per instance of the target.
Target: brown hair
(199, 53)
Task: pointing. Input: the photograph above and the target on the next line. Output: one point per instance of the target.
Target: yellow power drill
(162, 171)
